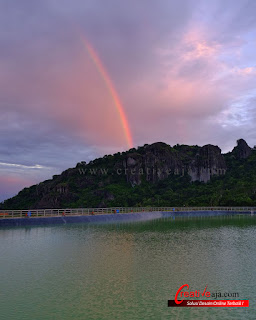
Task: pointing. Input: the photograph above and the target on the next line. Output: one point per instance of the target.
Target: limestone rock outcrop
(242, 150)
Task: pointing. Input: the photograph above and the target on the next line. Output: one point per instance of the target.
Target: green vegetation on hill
(104, 182)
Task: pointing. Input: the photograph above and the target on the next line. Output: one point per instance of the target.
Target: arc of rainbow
(110, 86)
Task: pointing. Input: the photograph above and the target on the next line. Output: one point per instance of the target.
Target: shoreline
(117, 217)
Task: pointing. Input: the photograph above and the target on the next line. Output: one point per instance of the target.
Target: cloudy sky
(77, 78)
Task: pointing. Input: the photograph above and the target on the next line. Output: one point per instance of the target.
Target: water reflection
(126, 270)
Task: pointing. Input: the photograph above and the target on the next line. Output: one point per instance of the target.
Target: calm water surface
(126, 271)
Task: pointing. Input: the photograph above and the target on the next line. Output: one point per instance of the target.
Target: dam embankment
(112, 218)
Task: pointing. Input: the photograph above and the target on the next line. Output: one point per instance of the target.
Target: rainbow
(109, 84)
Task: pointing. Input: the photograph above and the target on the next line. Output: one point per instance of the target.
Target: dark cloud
(184, 70)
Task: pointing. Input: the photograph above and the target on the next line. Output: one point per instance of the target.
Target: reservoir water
(128, 270)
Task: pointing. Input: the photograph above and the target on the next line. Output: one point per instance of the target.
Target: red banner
(209, 303)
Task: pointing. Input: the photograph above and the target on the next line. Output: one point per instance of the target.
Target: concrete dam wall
(111, 218)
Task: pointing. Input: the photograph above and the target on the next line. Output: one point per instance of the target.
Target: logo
(183, 292)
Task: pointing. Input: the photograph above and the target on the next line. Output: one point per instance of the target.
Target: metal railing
(117, 210)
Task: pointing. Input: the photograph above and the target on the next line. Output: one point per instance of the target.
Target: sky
(84, 78)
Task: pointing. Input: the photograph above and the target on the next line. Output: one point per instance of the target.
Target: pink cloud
(72, 93)
(12, 184)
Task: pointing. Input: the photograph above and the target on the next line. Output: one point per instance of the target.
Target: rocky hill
(155, 175)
